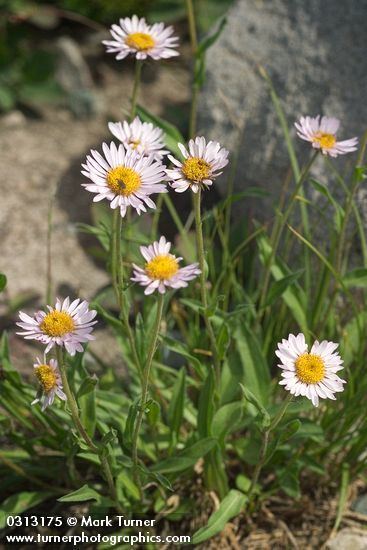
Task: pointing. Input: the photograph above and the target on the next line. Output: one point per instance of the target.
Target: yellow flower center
(196, 169)
(123, 181)
(57, 323)
(46, 377)
(134, 143)
(310, 368)
(162, 267)
(326, 141)
(140, 41)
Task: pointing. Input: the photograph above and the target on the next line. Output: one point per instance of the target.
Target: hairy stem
(194, 46)
(136, 87)
(280, 224)
(265, 442)
(203, 289)
(145, 389)
(74, 411)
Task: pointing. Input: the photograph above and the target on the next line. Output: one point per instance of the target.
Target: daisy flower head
(67, 324)
(124, 177)
(321, 132)
(162, 270)
(310, 373)
(134, 36)
(142, 137)
(50, 384)
(201, 165)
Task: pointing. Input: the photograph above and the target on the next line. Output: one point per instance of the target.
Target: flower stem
(145, 389)
(203, 289)
(192, 25)
(265, 442)
(134, 96)
(194, 46)
(280, 224)
(74, 411)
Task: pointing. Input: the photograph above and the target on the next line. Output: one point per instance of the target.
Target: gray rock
(360, 505)
(74, 77)
(315, 55)
(14, 119)
(347, 539)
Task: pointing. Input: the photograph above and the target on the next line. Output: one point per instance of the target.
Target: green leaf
(152, 411)
(2, 281)
(206, 406)
(289, 430)
(278, 288)
(7, 98)
(130, 421)
(88, 385)
(199, 70)
(226, 419)
(81, 495)
(200, 448)
(187, 458)
(289, 481)
(324, 190)
(19, 503)
(230, 507)
(293, 296)
(256, 376)
(356, 278)
(208, 41)
(251, 398)
(87, 404)
(124, 481)
(172, 135)
(174, 464)
(181, 349)
(177, 403)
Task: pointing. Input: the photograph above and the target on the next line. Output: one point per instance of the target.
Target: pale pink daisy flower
(134, 36)
(162, 270)
(322, 135)
(50, 383)
(310, 373)
(124, 177)
(200, 166)
(67, 324)
(143, 137)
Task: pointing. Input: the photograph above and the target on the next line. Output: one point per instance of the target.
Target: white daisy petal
(50, 383)
(66, 325)
(133, 36)
(200, 167)
(162, 270)
(131, 178)
(322, 135)
(310, 374)
(142, 137)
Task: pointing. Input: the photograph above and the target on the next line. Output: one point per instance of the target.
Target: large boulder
(315, 54)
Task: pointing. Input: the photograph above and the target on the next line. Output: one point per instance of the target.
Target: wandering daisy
(67, 324)
(49, 379)
(143, 137)
(322, 135)
(124, 177)
(310, 373)
(134, 36)
(200, 166)
(162, 269)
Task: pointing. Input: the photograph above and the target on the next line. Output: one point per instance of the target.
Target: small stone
(75, 78)
(347, 539)
(14, 119)
(360, 505)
